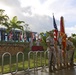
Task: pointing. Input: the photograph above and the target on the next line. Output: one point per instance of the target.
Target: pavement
(69, 71)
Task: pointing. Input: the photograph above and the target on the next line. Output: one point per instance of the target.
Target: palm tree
(3, 18)
(12, 24)
(15, 24)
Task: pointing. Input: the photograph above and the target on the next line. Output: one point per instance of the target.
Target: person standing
(51, 52)
(70, 50)
(59, 46)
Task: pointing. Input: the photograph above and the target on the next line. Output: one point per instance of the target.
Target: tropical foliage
(3, 17)
(74, 39)
(14, 23)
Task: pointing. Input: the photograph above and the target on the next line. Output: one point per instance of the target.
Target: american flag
(32, 35)
(21, 36)
(10, 35)
(55, 29)
(25, 37)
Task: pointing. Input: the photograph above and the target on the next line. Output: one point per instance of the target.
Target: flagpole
(53, 14)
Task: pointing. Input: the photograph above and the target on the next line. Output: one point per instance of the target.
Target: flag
(0, 36)
(62, 32)
(55, 29)
(63, 35)
(40, 38)
(37, 36)
(25, 38)
(21, 36)
(32, 35)
(10, 35)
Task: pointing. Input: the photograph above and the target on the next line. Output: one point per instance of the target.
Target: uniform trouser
(60, 59)
(70, 54)
(52, 57)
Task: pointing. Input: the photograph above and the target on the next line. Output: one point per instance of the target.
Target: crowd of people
(59, 58)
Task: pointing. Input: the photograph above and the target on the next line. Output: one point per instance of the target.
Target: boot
(58, 67)
(61, 67)
(64, 67)
(54, 68)
(50, 69)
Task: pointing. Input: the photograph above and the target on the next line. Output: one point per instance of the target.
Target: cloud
(11, 3)
(70, 30)
(40, 23)
(42, 1)
(36, 22)
(28, 10)
(38, 13)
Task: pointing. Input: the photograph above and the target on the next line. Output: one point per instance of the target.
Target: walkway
(70, 71)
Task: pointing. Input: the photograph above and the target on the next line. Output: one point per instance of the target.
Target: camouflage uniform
(51, 52)
(70, 51)
(59, 46)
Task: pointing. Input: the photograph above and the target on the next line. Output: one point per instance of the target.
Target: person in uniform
(51, 52)
(59, 46)
(70, 51)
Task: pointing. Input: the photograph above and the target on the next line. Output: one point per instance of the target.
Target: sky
(38, 14)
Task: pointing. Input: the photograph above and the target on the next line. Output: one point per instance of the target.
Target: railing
(3, 60)
(35, 51)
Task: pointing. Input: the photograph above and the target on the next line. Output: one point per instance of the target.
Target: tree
(74, 39)
(3, 18)
(73, 35)
(15, 24)
(12, 24)
(44, 36)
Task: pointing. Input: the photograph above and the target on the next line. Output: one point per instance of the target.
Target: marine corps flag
(62, 33)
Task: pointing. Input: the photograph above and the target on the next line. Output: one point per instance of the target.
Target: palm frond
(6, 24)
(19, 22)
